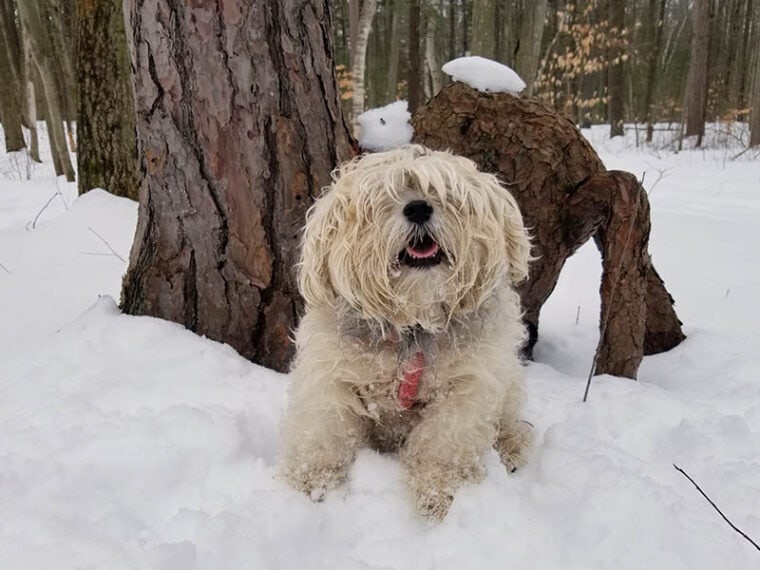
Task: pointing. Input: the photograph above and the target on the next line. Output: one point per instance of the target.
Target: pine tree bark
(695, 107)
(107, 150)
(239, 124)
(566, 196)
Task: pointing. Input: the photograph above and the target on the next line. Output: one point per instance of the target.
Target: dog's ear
(516, 239)
(322, 223)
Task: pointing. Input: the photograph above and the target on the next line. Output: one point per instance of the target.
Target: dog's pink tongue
(421, 252)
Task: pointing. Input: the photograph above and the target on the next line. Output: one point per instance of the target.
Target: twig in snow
(4, 268)
(714, 506)
(578, 315)
(37, 217)
(108, 245)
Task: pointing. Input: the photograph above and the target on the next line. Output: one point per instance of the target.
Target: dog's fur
(368, 314)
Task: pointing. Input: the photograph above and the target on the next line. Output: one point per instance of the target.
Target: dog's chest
(398, 378)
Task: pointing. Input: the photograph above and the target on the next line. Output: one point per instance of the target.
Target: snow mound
(385, 127)
(484, 74)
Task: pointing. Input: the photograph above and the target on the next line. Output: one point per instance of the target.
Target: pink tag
(410, 384)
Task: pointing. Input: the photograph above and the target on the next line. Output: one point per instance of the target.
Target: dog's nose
(418, 211)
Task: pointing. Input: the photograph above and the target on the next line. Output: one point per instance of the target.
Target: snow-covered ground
(129, 442)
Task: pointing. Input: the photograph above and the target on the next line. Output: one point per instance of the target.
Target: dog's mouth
(422, 251)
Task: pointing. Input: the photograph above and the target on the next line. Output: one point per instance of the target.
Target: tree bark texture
(695, 104)
(107, 150)
(566, 196)
(239, 124)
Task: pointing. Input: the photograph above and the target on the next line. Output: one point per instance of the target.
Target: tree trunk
(529, 52)
(566, 196)
(616, 70)
(484, 28)
(695, 107)
(37, 33)
(359, 62)
(30, 96)
(240, 125)
(11, 110)
(107, 152)
(432, 67)
(754, 121)
(414, 75)
(657, 14)
(395, 52)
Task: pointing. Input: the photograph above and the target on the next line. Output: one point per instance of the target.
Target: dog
(410, 338)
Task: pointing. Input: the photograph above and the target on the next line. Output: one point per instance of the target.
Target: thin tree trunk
(616, 70)
(240, 125)
(36, 31)
(11, 110)
(526, 63)
(452, 43)
(107, 153)
(359, 62)
(745, 70)
(414, 77)
(754, 121)
(484, 28)
(654, 62)
(433, 69)
(695, 108)
(395, 51)
(30, 97)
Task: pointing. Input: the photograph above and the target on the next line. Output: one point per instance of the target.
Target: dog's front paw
(314, 481)
(514, 443)
(433, 485)
(433, 503)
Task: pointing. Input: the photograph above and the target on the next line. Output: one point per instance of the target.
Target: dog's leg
(515, 436)
(446, 448)
(321, 435)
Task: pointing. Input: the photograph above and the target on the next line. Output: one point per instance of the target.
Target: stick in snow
(714, 506)
(108, 245)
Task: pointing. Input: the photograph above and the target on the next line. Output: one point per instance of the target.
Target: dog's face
(412, 237)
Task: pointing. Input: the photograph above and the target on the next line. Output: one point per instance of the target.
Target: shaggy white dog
(410, 337)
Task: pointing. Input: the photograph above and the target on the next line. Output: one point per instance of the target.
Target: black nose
(418, 211)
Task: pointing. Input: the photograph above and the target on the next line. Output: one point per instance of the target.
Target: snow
(385, 127)
(129, 442)
(484, 74)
